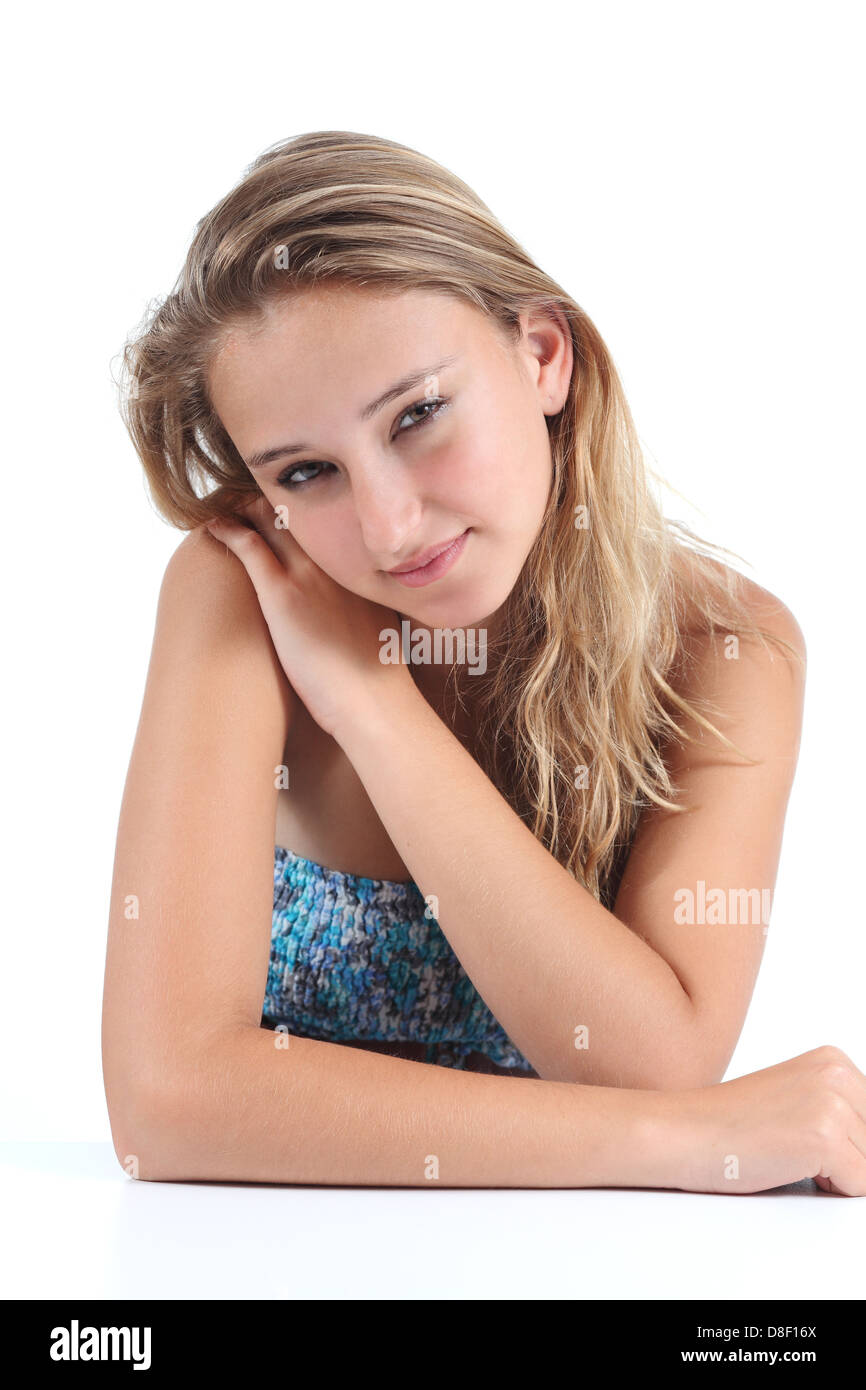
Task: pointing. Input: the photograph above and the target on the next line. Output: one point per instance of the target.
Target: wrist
(668, 1137)
(618, 1137)
(643, 1140)
(373, 715)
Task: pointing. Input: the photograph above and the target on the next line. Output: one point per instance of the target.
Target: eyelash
(440, 403)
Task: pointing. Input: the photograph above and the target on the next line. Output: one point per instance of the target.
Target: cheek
(316, 538)
(331, 538)
(322, 542)
(502, 474)
(471, 473)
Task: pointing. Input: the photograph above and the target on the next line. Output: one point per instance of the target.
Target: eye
(434, 406)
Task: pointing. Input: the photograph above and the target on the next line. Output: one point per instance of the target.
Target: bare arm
(266, 1107)
(634, 997)
(546, 958)
(658, 996)
(195, 1087)
(252, 1109)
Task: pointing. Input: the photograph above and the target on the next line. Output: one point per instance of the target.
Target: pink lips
(435, 568)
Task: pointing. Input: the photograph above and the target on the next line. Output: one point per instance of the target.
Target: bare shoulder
(753, 691)
(203, 571)
(765, 609)
(214, 678)
(206, 588)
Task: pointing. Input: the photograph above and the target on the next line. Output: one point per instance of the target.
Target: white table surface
(74, 1225)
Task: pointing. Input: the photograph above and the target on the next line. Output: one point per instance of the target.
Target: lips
(434, 569)
(425, 556)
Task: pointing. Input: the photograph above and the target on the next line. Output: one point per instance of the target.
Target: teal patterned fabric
(356, 958)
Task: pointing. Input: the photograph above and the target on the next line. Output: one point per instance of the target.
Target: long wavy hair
(574, 713)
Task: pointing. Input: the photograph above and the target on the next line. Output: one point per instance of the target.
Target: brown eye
(436, 401)
(434, 406)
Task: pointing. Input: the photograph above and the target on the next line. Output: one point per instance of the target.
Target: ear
(548, 350)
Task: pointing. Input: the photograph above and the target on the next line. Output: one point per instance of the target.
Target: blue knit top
(356, 958)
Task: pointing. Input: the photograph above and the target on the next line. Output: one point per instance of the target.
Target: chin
(462, 613)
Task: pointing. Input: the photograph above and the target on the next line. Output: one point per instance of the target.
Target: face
(463, 452)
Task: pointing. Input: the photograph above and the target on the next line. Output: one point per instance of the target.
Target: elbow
(642, 1076)
(145, 1126)
(682, 1066)
(675, 1079)
(692, 1070)
(688, 1058)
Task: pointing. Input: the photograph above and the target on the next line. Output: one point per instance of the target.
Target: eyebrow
(406, 383)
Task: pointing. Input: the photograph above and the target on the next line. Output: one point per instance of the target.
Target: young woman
(424, 798)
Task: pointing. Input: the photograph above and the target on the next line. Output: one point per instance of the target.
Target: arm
(664, 1003)
(195, 1087)
(257, 1106)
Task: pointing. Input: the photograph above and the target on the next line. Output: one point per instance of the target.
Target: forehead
(357, 339)
(354, 335)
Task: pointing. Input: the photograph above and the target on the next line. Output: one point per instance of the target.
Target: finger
(849, 1174)
(284, 545)
(849, 1166)
(259, 511)
(272, 523)
(254, 553)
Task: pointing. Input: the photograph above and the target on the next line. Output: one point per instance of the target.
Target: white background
(691, 173)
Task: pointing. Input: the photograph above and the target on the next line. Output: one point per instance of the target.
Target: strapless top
(355, 958)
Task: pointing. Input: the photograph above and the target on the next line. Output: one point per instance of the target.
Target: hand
(805, 1118)
(326, 638)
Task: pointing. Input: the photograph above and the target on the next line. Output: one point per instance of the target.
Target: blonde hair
(577, 704)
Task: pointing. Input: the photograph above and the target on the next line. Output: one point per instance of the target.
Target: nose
(389, 512)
